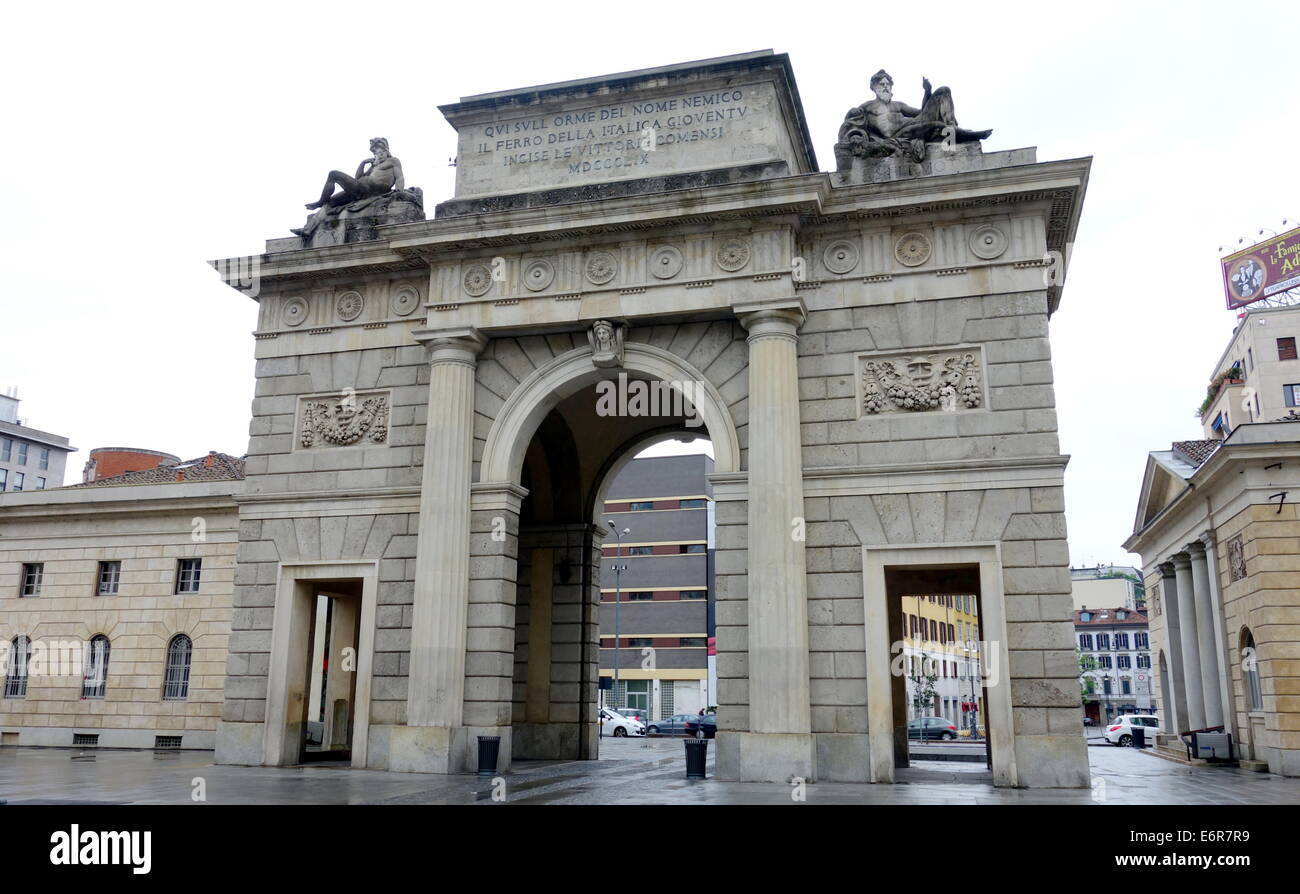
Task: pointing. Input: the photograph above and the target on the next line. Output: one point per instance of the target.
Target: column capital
(1196, 549)
(458, 345)
(1207, 539)
(1166, 569)
(768, 319)
(1181, 561)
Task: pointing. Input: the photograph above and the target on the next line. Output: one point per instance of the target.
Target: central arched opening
(596, 567)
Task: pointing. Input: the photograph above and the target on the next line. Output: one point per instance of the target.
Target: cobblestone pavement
(632, 771)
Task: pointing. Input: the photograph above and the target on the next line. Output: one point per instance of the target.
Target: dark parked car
(701, 726)
(670, 726)
(927, 728)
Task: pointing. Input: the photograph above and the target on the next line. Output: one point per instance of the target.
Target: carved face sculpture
(604, 333)
(883, 88)
(920, 370)
(344, 410)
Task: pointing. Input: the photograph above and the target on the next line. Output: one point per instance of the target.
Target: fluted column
(1205, 624)
(1187, 637)
(777, 588)
(436, 683)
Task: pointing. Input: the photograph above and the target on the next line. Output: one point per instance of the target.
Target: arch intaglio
(442, 396)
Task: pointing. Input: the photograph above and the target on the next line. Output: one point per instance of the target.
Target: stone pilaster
(434, 739)
(779, 743)
(1205, 641)
(1189, 641)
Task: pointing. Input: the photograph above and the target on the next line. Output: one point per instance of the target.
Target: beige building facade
(867, 350)
(115, 611)
(1218, 536)
(1265, 386)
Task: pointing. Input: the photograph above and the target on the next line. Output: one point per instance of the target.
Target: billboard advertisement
(1263, 270)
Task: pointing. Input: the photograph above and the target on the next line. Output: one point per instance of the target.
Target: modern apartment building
(1115, 644)
(30, 459)
(1257, 379)
(1107, 586)
(657, 615)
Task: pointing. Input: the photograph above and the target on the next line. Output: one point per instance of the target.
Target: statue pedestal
(357, 222)
(939, 160)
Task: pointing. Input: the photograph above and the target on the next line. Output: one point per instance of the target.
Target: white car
(1120, 732)
(614, 724)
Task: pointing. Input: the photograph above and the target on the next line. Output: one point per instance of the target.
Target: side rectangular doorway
(937, 665)
(318, 682)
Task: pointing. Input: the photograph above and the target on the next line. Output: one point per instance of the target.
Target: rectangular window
(641, 551)
(692, 641)
(19, 478)
(1103, 642)
(692, 504)
(642, 506)
(40, 484)
(22, 453)
(45, 457)
(4, 478)
(638, 642)
(638, 597)
(31, 580)
(694, 594)
(1103, 661)
(1126, 688)
(109, 575)
(7, 449)
(1121, 641)
(695, 547)
(638, 694)
(1286, 348)
(1250, 359)
(1144, 661)
(1122, 662)
(188, 572)
(1140, 641)
(1291, 394)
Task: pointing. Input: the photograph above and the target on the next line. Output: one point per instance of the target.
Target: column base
(766, 757)
(429, 749)
(843, 757)
(239, 744)
(1051, 762)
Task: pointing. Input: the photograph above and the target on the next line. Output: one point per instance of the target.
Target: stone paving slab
(629, 772)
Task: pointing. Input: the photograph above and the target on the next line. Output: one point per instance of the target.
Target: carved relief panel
(934, 380)
(346, 419)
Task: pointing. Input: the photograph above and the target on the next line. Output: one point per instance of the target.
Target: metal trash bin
(489, 747)
(697, 750)
(1139, 737)
(1212, 746)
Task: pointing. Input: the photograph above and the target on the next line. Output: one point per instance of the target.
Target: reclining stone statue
(377, 182)
(883, 127)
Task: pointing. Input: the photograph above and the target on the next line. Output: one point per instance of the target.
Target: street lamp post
(618, 586)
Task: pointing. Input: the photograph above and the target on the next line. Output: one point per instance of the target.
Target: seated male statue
(375, 176)
(883, 126)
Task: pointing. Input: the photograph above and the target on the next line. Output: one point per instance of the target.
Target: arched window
(20, 653)
(1250, 671)
(176, 681)
(95, 680)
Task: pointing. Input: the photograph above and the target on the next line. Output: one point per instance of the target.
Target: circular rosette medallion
(294, 311)
(405, 299)
(348, 305)
(988, 242)
(601, 267)
(732, 254)
(665, 262)
(841, 256)
(477, 280)
(912, 249)
(538, 274)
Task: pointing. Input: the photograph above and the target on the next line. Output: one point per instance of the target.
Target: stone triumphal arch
(441, 401)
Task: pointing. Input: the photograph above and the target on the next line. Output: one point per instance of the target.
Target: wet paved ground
(632, 771)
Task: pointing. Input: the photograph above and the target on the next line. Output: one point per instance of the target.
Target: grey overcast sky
(142, 139)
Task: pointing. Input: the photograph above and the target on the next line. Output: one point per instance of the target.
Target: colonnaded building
(442, 403)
